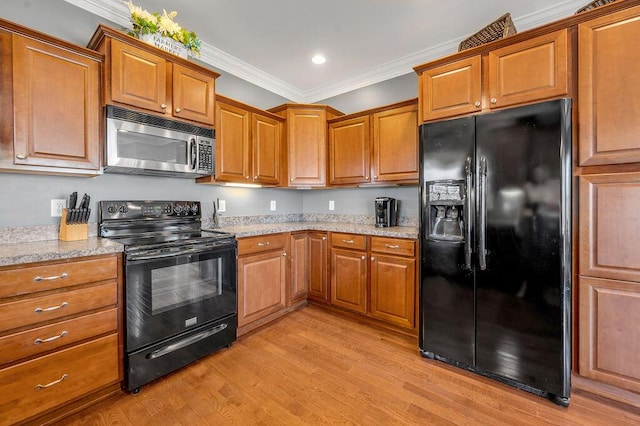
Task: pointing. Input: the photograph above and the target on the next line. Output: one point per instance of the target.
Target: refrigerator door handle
(468, 217)
(482, 252)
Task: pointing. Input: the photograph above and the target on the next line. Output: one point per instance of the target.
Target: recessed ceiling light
(318, 59)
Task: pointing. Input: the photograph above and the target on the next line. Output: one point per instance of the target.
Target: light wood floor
(315, 366)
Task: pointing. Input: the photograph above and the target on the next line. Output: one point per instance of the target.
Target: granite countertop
(40, 251)
(353, 228)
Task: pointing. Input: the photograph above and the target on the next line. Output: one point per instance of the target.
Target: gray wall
(25, 199)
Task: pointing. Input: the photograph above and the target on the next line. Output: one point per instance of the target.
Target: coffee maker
(386, 212)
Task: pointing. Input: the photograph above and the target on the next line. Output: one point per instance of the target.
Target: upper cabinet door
(307, 146)
(609, 89)
(138, 78)
(395, 144)
(349, 151)
(266, 140)
(233, 157)
(193, 95)
(56, 106)
(451, 89)
(531, 70)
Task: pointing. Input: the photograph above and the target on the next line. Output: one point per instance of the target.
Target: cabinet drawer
(44, 383)
(393, 246)
(30, 279)
(48, 337)
(261, 243)
(352, 241)
(52, 306)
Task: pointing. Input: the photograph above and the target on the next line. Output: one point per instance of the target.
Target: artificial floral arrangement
(154, 23)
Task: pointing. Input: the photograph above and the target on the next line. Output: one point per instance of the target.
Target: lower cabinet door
(349, 279)
(317, 262)
(261, 285)
(609, 345)
(393, 289)
(36, 386)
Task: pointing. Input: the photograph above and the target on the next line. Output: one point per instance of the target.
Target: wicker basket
(593, 5)
(500, 28)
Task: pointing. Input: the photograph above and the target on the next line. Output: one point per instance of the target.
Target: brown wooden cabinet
(248, 144)
(318, 267)
(309, 267)
(609, 89)
(393, 280)
(142, 76)
(349, 271)
(299, 284)
(262, 278)
(51, 104)
(375, 146)
(61, 337)
(534, 69)
(306, 143)
(349, 146)
(609, 281)
(375, 276)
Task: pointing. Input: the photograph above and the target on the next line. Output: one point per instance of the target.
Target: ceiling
(270, 43)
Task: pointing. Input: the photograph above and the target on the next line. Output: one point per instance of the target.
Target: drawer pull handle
(55, 382)
(263, 244)
(55, 277)
(348, 241)
(50, 339)
(52, 308)
(392, 246)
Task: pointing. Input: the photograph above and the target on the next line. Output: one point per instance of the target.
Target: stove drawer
(53, 306)
(31, 279)
(35, 386)
(42, 339)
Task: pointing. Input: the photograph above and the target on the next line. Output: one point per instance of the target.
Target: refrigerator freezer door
(447, 285)
(520, 296)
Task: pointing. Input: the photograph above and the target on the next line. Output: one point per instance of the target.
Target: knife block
(75, 232)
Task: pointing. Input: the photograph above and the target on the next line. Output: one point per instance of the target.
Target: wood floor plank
(317, 367)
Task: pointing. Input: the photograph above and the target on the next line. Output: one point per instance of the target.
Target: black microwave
(138, 143)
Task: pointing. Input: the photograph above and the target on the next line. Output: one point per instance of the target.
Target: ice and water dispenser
(446, 201)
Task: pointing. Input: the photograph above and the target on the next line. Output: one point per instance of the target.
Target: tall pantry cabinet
(609, 200)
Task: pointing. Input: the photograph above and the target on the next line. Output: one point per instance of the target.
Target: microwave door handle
(193, 153)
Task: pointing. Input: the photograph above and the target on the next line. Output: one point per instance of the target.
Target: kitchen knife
(72, 205)
(84, 206)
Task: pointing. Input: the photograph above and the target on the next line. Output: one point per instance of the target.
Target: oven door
(167, 294)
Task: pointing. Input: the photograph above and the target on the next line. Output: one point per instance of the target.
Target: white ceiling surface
(270, 43)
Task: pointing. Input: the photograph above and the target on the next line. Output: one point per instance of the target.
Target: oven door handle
(186, 342)
(161, 255)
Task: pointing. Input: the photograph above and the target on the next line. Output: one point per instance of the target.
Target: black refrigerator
(495, 236)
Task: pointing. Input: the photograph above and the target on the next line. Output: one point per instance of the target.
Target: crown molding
(117, 12)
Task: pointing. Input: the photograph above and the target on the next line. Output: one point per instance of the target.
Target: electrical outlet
(332, 205)
(273, 205)
(57, 206)
(222, 206)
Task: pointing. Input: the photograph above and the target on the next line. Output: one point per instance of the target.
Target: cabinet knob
(255, 177)
(291, 179)
(366, 177)
(494, 101)
(375, 178)
(477, 104)
(163, 106)
(178, 109)
(324, 238)
(373, 258)
(21, 156)
(363, 257)
(246, 177)
(284, 254)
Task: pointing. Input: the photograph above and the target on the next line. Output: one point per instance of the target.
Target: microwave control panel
(205, 156)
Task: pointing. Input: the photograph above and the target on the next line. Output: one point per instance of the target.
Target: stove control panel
(148, 209)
